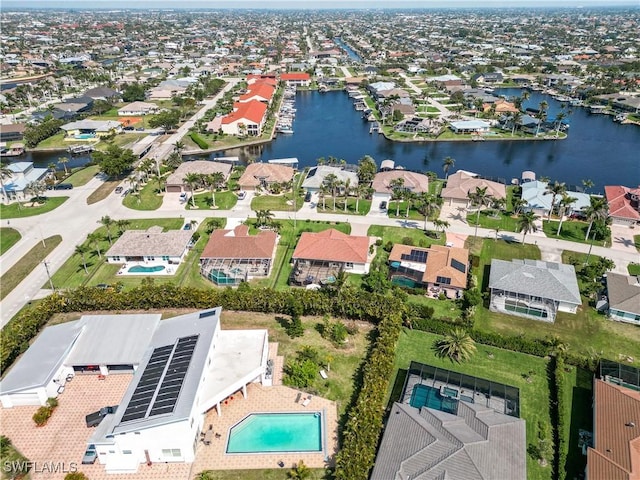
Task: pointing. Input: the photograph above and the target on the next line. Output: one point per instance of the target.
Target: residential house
(234, 256)
(247, 119)
(90, 129)
(153, 247)
(470, 126)
(175, 181)
(102, 93)
(262, 175)
(316, 177)
(439, 269)
(624, 204)
(22, 174)
(298, 79)
(459, 184)
(539, 199)
(468, 428)
(500, 106)
(533, 289)
(12, 131)
(414, 182)
(488, 77)
(614, 452)
(138, 109)
(260, 92)
(623, 292)
(268, 79)
(320, 257)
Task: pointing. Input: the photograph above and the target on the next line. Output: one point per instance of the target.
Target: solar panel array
(461, 267)
(419, 256)
(161, 380)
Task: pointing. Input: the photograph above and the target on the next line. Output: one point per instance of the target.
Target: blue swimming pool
(425, 396)
(84, 136)
(144, 269)
(277, 432)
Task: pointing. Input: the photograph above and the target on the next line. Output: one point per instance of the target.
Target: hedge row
(557, 417)
(362, 431)
(198, 140)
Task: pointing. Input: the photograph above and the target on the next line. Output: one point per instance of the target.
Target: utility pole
(46, 267)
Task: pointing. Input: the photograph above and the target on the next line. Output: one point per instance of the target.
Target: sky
(305, 4)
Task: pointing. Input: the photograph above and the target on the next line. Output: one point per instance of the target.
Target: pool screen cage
(502, 398)
(232, 271)
(619, 374)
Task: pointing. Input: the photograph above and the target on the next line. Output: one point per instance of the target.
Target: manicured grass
(399, 235)
(8, 238)
(103, 191)
(72, 273)
(224, 200)
(504, 366)
(81, 177)
(572, 230)
(441, 308)
(633, 268)
(436, 186)
(282, 202)
(363, 206)
(145, 199)
(578, 395)
(414, 214)
(503, 221)
(23, 267)
(21, 210)
(58, 141)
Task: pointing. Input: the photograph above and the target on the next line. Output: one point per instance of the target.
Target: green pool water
(143, 269)
(277, 432)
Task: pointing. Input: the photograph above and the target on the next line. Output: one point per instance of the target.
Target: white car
(184, 197)
(241, 195)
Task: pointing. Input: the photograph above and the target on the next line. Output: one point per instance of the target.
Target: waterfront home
(138, 109)
(488, 77)
(234, 256)
(12, 131)
(383, 183)
(623, 293)
(459, 184)
(260, 92)
(298, 79)
(317, 176)
(533, 289)
(624, 204)
(376, 87)
(539, 199)
(247, 119)
(469, 126)
(320, 257)
(500, 106)
(262, 175)
(22, 174)
(102, 93)
(175, 182)
(152, 247)
(268, 79)
(448, 425)
(90, 129)
(439, 269)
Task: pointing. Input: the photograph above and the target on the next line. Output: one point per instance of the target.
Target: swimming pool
(144, 269)
(425, 396)
(277, 432)
(403, 282)
(84, 136)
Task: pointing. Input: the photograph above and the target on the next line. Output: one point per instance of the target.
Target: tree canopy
(114, 161)
(168, 119)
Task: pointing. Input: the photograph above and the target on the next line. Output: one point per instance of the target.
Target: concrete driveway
(622, 238)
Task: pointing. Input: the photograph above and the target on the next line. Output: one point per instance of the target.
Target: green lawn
(414, 214)
(224, 200)
(145, 199)
(636, 240)
(8, 238)
(578, 395)
(435, 186)
(283, 202)
(72, 273)
(277, 474)
(572, 230)
(23, 267)
(489, 363)
(400, 235)
(20, 210)
(633, 268)
(363, 206)
(441, 308)
(82, 176)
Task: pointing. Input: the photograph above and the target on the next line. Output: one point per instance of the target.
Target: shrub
(52, 402)
(300, 374)
(42, 415)
(75, 476)
(198, 140)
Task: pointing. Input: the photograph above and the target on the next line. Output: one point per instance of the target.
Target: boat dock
(78, 149)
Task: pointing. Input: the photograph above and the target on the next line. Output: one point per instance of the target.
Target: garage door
(19, 399)
(174, 188)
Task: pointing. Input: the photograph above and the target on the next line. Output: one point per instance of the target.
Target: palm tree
(37, 189)
(559, 117)
(82, 250)
(526, 224)
(428, 205)
(397, 186)
(457, 346)
(408, 196)
(192, 179)
(598, 210)
(63, 161)
(122, 225)
(565, 202)
(587, 184)
(542, 115)
(107, 222)
(347, 191)
(525, 95)
(52, 167)
(446, 165)
(94, 240)
(332, 183)
(441, 224)
(479, 198)
(517, 203)
(299, 472)
(359, 191)
(178, 147)
(323, 192)
(5, 174)
(555, 189)
(516, 118)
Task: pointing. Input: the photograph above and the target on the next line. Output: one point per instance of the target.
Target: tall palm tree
(332, 182)
(52, 167)
(516, 118)
(479, 198)
(299, 472)
(428, 206)
(559, 117)
(517, 203)
(63, 161)
(122, 225)
(94, 240)
(526, 224)
(107, 222)
(598, 210)
(542, 115)
(441, 224)
(457, 346)
(347, 191)
(323, 192)
(397, 186)
(408, 196)
(587, 184)
(565, 203)
(192, 179)
(178, 147)
(554, 189)
(36, 188)
(5, 174)
(525, 95)
(82, 250)
(446, 165)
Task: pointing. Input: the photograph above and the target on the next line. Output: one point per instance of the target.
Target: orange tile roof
(259, 89)
(332, 245)
(416, 182)
(619, 202)
(295, 76)
(237, 243)
(252, 110)
(268, 171)
(616, 451)
(438, 263)
(461, 182)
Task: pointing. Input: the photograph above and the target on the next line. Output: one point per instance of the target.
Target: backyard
(408, 236)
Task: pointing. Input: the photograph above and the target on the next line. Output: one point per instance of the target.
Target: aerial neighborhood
(319, 243)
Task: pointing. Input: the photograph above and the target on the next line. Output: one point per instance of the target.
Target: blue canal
(327, 125)
(352, 54)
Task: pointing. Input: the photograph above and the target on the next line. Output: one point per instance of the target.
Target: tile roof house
(152, 245)
(98, 128)
(437, 268)
(246, 119)
(260, 91)
(413, 181)
(301, 79)
(320, 256)
(233, 256)
(138, 108)
(462, 182)
(539, 201)
(317, 175)
(533, 288)
(616, 433)
(623, 292)
(261, 175)
(624, 204)
(175, 181)
(102, 93)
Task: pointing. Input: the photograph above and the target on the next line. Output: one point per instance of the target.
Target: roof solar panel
(419, 256)
(461, 267)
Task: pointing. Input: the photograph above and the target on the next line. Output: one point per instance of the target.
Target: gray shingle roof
(549, 280)
(623, 292)
(138, 243)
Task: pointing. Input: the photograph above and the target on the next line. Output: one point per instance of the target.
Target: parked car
(241, 195)
(63, 186)
(118, 190)
(307, 197)
(578, 216)
(140, 129)
(128, 129)
(125, 193)
(94, 419)
(383, 205)
(184, 197)
(90, 455)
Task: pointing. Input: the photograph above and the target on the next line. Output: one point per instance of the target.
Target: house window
(348, 265)
(115, 259)
(171, 452)
(165, 258)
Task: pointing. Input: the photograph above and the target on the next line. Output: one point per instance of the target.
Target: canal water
(352, 54)
(327, 125)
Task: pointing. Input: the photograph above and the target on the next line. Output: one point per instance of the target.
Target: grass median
(8, 238)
